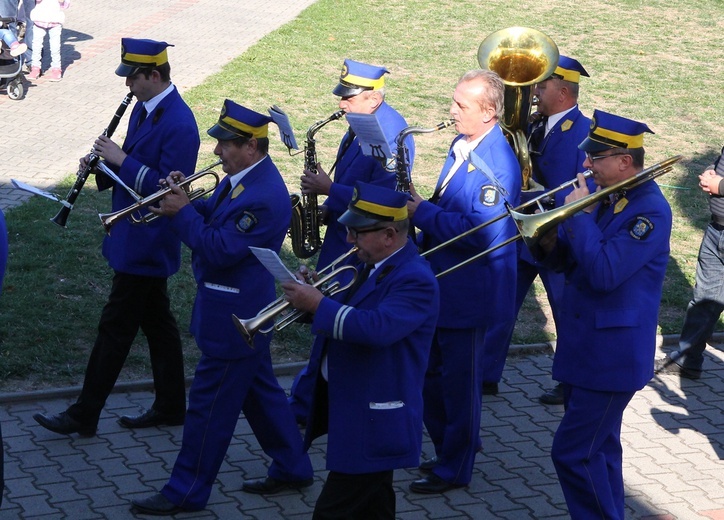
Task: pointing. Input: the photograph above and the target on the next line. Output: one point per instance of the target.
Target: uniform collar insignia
(620, 205)
(237, 191)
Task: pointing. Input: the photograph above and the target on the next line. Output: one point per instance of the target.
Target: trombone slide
(532, 227)
(537, 201)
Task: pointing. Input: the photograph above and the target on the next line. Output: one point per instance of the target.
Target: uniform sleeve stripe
(139, 178)
(339, 322)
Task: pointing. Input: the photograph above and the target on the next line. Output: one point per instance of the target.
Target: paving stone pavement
(673, 431)
(673, 437)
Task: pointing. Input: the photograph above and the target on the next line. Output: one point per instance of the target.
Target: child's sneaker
(17, 48)
(54, 74)
(34, 73)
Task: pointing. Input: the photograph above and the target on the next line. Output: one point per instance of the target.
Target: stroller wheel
(16, 90)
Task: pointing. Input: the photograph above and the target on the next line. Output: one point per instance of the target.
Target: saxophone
(402, 154)
(304, 227)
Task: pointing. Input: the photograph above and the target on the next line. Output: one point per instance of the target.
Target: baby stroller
(11, 77)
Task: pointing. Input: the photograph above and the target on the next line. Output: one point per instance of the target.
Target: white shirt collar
(236, 178)
(462, 148)
(152, 103)
(377, 264)
(553, 120)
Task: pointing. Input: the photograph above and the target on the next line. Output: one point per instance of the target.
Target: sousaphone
(522, 57)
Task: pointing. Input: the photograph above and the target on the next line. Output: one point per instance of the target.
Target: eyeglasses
(355, 232)
(592, 158)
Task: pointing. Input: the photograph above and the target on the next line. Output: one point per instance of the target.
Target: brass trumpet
(248, 328)
(132, 212)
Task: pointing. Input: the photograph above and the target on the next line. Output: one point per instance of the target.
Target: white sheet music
(370, 135)
(285, 128)
(273, 264)
(101, 166)
(35, 191)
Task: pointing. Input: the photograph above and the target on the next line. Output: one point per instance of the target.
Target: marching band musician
(614, 257)
(375, 339)
(361, 88)
(554, 137)
(162, 137)
(464, 198)
(250, 207)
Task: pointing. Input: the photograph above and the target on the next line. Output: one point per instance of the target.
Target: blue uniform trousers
(222, 388)
(587, 453)
(500, 334)
(452, 395)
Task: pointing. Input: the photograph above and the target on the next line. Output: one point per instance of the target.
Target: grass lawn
(654, 61)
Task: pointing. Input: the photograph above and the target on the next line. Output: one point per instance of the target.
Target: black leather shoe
(432, 484)
(553, 396)
(669, 366)
(157, 505)
(64, 424)
(490, 388)
(150, 418)
(428, 465)
(269, 485)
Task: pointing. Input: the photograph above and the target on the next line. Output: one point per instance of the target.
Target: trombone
(532, 227)
(133, 211)
(248, 328)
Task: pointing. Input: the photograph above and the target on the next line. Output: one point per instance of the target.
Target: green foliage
(652, 60)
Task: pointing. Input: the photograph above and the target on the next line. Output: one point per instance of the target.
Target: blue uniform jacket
(229, 277)
(560, 159)
(614, 271)
(167, 140)
(484, 289)
(377, 347)
(355, 166)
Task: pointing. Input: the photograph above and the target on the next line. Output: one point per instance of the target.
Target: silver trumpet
(133, 212)
(248, 328)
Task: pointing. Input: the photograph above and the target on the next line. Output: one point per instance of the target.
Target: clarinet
(83, 173)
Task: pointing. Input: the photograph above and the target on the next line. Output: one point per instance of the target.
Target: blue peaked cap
(372, 204)
(356, 77)
(569, 69)
(236, 121)
(611, 131)
(137, 54)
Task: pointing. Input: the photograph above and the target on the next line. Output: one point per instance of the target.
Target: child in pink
(6, 35)
(48, 17)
